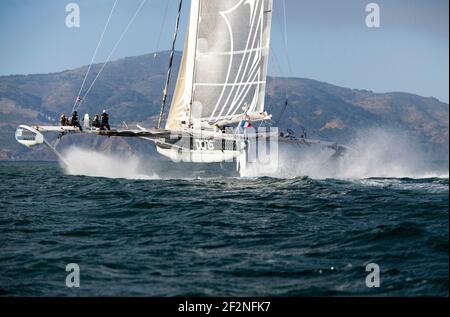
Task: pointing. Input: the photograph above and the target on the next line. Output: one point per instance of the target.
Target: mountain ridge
(131, 90)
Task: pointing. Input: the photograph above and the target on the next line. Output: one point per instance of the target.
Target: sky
(327, 40)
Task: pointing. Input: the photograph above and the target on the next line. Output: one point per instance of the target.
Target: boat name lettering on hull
(204, 145)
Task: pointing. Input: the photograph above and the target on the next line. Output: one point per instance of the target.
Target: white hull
(197, 156)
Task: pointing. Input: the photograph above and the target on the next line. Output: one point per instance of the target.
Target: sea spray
(86, 162)
(377, 153)
(384, 153)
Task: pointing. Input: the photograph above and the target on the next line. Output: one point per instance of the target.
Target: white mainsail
(224, 65)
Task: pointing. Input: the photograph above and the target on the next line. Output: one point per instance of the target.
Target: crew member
(63, 120)
(74, 121)
(105, 121)
(86, 122)
(96, 122)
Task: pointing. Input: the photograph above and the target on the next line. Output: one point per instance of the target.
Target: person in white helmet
(105, 121)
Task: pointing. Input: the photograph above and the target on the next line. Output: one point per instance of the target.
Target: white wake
(95, 164)
(379, 154)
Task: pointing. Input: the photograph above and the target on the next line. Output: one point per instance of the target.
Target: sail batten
(231, 84)
(256, 49)
(225, 68)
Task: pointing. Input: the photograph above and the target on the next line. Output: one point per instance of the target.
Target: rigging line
(272, 71)
(277, 79)
(276, 64)
(288, 60)
(95, 53)
(282, 24)
(286, 46)
(113, 51)
(283, 84)
(283, 30)
(158, 43)
(283, 73)
(280, 29)
(286, 103)
(169, 71)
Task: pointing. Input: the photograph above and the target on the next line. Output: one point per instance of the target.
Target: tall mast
(196, 20)
(169, 71)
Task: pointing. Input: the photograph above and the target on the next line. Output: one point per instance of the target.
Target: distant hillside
(131, 89)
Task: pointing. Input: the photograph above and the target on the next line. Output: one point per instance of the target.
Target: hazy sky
(328, 40)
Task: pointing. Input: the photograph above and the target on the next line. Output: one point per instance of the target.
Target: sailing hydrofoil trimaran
(220, 89)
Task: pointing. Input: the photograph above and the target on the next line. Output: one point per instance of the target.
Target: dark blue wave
(220, 236)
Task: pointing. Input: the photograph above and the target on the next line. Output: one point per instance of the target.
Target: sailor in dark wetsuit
(96, 122)
(105, 121)
(74, 121)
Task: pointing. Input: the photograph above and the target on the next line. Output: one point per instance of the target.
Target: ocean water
(220, 236)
